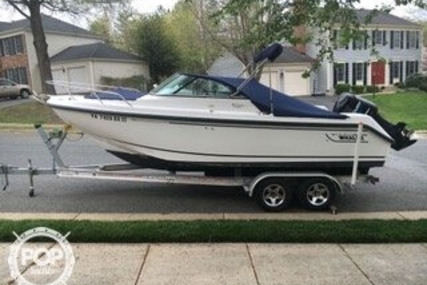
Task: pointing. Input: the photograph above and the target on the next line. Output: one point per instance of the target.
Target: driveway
(8, 102)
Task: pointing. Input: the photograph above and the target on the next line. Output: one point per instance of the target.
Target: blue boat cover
(128, 94)
(283, 105)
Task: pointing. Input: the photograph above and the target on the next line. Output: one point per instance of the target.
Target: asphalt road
(403, 185)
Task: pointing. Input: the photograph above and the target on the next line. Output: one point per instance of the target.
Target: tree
(102, 27)
(247, 26)
(197, 50)
(31, 9)
(154, 44)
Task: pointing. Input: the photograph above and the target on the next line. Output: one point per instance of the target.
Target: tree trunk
(40, 45)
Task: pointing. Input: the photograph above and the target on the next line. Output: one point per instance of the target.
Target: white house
(88, 63)
(18, 60)
(285, 73)
(400, 54)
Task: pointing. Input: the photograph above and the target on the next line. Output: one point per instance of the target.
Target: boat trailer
(270, 189)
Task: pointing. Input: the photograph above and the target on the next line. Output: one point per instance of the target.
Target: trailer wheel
(273, 195)
(316, 193)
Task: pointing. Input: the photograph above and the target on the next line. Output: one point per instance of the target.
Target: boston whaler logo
(346, 137)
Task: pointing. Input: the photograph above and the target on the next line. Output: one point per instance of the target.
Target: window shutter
(354, 73)
(346, 73)
(373, 38)
(335, 37)
(354, 44)
(402, 36)
(401, 71)
(365, 73)
(418, 40)
(335, 75)
(391, 39)
(416, 66)
(366, 41)
(391, 73)
(407, 69)
(407, 40)
(384, 38)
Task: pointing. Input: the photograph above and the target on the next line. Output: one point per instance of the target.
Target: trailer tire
(316, 193)
(273, 195)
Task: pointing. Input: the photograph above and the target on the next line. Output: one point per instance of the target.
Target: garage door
(295, 84)
(59, 75)
(78, 75)
(265, 79)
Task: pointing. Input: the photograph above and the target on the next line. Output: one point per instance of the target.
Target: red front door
(378, 73)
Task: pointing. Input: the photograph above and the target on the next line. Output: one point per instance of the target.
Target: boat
(227, 125)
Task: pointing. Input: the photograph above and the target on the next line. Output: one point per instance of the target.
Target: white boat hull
(245, 138)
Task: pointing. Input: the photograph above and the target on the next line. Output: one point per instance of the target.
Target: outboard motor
(350, 103)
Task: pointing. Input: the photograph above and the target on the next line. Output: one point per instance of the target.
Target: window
(411, 67)
(18, 75)
(395, 69)
(339, 72)
(396, 39)
(11, 46)
(359, 43)
(412, 39)
(188, 85)
(377, 37)
(359, 71)
(339, 40)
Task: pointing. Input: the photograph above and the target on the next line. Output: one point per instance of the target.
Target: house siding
(56, 43)
(349, 56)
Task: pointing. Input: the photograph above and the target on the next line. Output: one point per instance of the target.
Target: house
(88, 63)
(285, 73)
(400, 54)
(18, 60)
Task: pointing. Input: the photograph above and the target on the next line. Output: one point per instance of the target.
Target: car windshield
(188, 85)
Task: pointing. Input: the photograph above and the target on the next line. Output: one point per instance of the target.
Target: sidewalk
(304, 216)
(244, 264)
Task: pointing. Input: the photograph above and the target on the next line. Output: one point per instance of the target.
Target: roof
(291, 55)
(385, 19)
(50, 24)
(97, 50)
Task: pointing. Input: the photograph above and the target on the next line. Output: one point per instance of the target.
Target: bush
(400, 85)
(415, 80)
(423, 86)
(137, 82)
(341, 88)
(358, 89)
(372, 89)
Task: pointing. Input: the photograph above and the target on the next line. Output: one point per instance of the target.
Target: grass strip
(351, 231)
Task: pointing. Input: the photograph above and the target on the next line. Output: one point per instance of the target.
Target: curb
(122, 217)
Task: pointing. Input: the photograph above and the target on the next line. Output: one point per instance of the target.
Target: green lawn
(409, 107)
(353, 231)
(29, 113)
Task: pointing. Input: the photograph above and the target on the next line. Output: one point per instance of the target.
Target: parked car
(13, 90)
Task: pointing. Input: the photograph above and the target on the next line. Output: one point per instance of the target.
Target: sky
(144, 6)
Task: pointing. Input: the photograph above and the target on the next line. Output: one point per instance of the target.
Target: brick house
(18, 60)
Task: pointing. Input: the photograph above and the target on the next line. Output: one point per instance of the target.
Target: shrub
(372, 89)
(400, 85)
(423, 86)
(341, 88)
(358, 89)
(415, 80)
(137, 82)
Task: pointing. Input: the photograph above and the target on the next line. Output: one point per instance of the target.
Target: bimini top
(282, 104)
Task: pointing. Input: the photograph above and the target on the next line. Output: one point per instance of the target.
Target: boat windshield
(189, 85)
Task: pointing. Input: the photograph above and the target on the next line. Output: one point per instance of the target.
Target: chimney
(300, 33)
